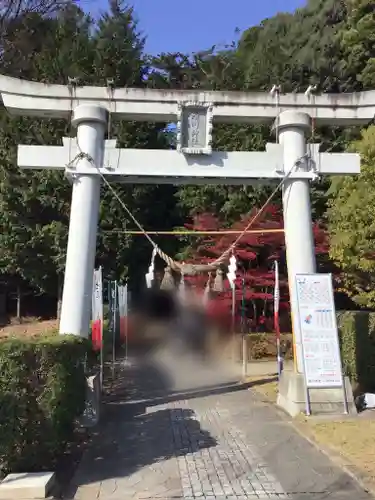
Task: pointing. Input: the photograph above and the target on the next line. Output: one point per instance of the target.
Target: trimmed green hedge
(42, 392)
(357, 338)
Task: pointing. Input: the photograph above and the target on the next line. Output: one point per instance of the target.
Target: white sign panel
(320, 342)
(97, 295)
(123, 300)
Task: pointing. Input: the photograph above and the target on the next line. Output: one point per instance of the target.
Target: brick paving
(164, 437)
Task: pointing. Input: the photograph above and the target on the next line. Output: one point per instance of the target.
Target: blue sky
(192, 25)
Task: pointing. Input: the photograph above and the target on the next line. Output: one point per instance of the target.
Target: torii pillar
(293, 127)
(91, 122)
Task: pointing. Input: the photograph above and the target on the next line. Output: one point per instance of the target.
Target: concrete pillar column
(84, 212)
(299, 239)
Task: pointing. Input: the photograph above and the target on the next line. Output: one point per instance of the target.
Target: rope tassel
(207, 290)
(182, 289)
(150, 275)
(219, 281)
(168, 280)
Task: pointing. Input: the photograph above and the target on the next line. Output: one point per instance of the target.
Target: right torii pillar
(293, 128)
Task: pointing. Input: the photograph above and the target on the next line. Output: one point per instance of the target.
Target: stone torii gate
(193, 162)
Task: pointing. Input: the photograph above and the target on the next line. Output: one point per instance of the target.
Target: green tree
(357, 43)
(37, 204)
(328, 43)
(351, 217)
(294, 50)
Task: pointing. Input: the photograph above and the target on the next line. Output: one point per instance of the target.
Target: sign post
(126, 309)
(97, 317)
(122, 291)
(114, 325)
(276, 320)
(322, 367)
(231, 275)
(243, 331)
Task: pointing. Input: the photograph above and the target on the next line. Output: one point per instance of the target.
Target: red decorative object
(124, 331)
(96, 335)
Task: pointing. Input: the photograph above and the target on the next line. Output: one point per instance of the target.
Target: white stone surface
(26, 486)
(292, 397)
(23, 97)
(299, 239)
(163, 166)
(83, 225)
(369, 400)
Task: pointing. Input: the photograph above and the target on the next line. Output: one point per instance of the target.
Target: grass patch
(30, 327)
(352, 440)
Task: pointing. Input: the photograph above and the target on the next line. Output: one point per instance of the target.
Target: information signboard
(320, 343)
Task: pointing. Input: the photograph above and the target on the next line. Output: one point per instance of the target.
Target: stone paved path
(160, 440)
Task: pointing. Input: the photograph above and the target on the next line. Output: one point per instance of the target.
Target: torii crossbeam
(193, 162)
(167, 166)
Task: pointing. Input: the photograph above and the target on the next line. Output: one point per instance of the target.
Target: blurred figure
(156, 310)
(192, 324)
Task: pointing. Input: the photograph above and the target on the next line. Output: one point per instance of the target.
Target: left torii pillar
(84, 212)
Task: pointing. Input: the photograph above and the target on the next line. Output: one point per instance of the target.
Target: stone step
(26, 486)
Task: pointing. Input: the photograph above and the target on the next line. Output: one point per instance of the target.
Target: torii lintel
(22, 97)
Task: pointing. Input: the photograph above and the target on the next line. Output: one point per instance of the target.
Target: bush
(263, 345)
(357, 339)
(42, 392)
(259, 346)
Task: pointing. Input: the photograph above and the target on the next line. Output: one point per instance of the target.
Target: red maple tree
(255, 254)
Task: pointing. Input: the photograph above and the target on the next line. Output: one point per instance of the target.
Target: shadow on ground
(146, 424)
(134, 433)
(141, 405)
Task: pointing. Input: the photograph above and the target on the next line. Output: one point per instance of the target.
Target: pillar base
(292, 397)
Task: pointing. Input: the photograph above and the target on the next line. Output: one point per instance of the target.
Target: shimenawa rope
(185, 268)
